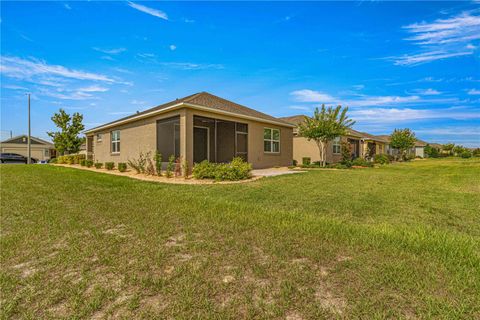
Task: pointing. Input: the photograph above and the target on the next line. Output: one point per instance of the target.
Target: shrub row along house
(361, 145)
(195, 128)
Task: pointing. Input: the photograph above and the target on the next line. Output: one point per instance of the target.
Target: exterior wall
(419, 152)
(302, 148)
(39, 152)
(140, 136)
(256, 156)
(135, 137)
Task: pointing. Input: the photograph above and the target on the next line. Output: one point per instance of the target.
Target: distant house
(195, 128)
(41, 150)
(362, 144)
(417, 151)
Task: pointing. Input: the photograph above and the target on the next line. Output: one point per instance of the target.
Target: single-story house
(198, 127)
(362, 145)
(417, 151)
(40, 150)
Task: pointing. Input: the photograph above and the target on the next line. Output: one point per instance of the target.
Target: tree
(67, 140)
(448, 148)
(431, 152)
(402, 139)
(458, 150)
(325, 125)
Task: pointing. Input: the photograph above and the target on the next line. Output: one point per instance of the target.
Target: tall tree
(402, 139)
(325, 125)
(67, 140)
(448, 148)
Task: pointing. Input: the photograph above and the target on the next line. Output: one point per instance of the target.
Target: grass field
(401, 241)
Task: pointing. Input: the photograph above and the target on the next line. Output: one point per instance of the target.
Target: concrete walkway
(271, 172)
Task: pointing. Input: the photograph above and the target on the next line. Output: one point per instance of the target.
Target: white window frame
(271, 140)
(337, 144)
(112, 142)
(99, 137)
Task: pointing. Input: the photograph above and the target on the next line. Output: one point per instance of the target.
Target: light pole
(29, 159)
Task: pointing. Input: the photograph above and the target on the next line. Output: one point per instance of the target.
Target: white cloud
(359, 87)
(442, 38)
(460, 131)
(192, 66)
(307, 95)
(146, 55)
(428, 92)
(14, 87)
(137, 102)
(368, 101)
(154, 12)
(110, 51)
(93, 89)
(23, 69)
(473, 92)
(173, 47)
(303, 108)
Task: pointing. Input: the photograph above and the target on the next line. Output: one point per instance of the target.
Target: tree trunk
(321, 148)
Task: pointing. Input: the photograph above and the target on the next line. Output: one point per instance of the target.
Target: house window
(99, 137)
(336, 145)
(271, 140)
(115, 135)
(47, 152)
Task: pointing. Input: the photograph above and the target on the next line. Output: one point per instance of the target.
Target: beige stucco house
(198, 127)
(41, 150)
(417, 151)
(361, 144)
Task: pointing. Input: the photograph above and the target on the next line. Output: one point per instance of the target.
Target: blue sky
(395, 64)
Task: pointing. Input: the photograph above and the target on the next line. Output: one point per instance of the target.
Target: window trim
(337, 143)
(114, 141)
(271, 140)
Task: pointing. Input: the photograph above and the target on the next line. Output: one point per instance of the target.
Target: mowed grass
(401, 241)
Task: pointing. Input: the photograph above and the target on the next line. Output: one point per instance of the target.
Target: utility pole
(29, 159)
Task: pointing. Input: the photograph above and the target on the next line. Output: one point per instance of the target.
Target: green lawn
(401, 241)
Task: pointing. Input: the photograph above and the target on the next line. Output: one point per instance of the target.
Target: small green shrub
(122, 166)
(294, 163)
(109, 165)
(158, 163)
(381, 159)
(69, 159)
(204, 170)
(170, 166)
(138, 164)
(359, 162)
(98, 165)
(237, 169)
(61, 160)
(76, 158)
(306, 161)
(89, 163)
(466, 154)
(476, 152)
(149, 164)
(83, 162)
(52, 160)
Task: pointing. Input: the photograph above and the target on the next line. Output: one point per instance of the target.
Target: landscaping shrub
(149, 165)
(294, 163)
(158, 163)
(476, 152)
(89, 163)
(466, 154)
(170, 166)
(381, 159)
(109, 165)
(76, 158)
(52, 160)
(237, 169)
(61, 160)
(306, 161)
(68, 159)
(359, 162)
(122, 166)
(83, 162)
(138, 164)
(98, 165)
(409, 157)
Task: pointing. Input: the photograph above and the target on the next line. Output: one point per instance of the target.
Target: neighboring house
(195, 128)
(417, 151)
(361, 144)
(41, 150)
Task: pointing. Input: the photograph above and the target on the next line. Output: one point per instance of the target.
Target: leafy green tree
(476, 152)
(325, 125)
(403, 140)
(448, 148)
(431, 152)
(67, 140)
(458, 150)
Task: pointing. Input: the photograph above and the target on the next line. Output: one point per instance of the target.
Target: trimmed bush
(294, 163)
(170, 166)
(52, 160)
(359, 162)
(109, 165)
(77, 158)
(306, 161)
(98, 165)
(89, 163)
(381, 159)
(122, 166)
(235, 170)
(158, 163)
(466, 154)
(83, 162)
